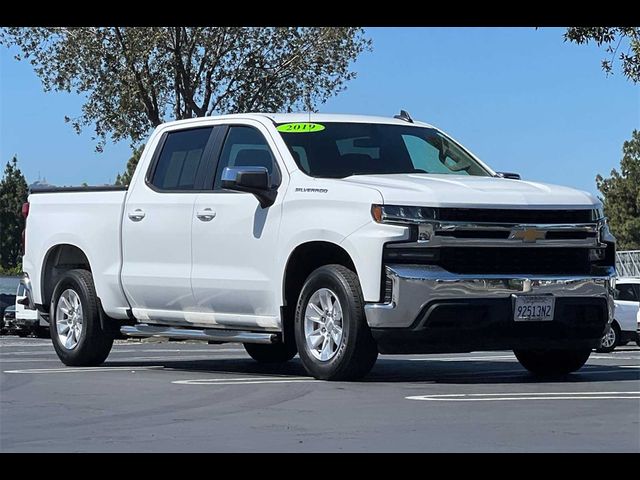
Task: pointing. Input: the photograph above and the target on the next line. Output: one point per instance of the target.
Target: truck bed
(89, 218)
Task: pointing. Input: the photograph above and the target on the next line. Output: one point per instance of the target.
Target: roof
(314, 118)
(333, 117)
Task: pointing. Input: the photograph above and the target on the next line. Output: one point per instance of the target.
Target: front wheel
(552, 362)
(610, 340)
(75, 327)
(331, 331)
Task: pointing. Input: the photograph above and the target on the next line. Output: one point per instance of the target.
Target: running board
(209, 334)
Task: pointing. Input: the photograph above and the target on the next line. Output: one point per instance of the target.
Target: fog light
(596, 254)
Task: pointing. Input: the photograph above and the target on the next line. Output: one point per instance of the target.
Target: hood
(434, 190)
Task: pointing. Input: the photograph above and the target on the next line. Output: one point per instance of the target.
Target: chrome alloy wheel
(69, 319)
(609, 338)
(323, 324)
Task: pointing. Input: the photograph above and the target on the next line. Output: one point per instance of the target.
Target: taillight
(25, 214)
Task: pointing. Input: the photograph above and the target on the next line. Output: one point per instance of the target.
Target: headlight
(402, 214)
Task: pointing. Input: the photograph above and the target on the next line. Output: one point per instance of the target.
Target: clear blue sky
(520, 98)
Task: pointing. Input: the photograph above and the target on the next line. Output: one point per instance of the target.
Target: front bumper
(433, 310)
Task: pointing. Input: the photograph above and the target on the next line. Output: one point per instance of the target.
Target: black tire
(94, 344)
(22, 333)
(552, 362)
(357, 352)
(274, 353)
(615, 330)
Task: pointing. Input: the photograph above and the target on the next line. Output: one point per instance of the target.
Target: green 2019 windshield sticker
(301, 127)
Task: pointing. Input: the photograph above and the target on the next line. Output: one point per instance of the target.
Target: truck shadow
(387, 370)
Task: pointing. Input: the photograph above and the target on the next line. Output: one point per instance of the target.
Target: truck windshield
(342, 149)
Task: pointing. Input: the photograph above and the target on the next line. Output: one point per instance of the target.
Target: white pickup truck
(332, 236)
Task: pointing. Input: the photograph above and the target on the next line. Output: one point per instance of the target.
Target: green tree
(621, 196)
(133, 78)
(125, 178)
(13, 193)
(622, 43)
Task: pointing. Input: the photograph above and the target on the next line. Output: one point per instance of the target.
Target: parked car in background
(626, 318)
(9, 319)
(8, 287)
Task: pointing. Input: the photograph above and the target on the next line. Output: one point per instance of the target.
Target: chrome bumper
(28, 300)
(414, 286)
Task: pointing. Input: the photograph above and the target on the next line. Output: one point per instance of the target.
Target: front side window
(180, 159)
(626, 292)
(246, 147)
(343, 149)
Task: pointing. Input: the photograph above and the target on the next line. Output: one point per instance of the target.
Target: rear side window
(180, 158)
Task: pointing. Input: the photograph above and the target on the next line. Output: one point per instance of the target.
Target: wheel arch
(303, 260)
(59, 259)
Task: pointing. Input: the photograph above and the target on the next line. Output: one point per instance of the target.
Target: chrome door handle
(136, 215)
(206, 214)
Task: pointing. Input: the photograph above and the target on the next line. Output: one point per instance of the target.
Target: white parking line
(245, 381)
(518, 396)
(83, 369)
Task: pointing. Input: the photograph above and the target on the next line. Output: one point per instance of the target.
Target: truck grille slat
(489, 215)
(515, 260)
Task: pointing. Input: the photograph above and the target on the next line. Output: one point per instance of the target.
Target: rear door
(156, 229)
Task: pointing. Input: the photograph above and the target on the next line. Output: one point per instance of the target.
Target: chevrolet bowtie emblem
(528, 235)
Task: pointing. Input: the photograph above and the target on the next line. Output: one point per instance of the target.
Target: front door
(234, 241)
(156, 229)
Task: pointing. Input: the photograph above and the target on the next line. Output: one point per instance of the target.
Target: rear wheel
(274, 353)
(552, 362)
(609, 340)
(333, 338)
(76, 331)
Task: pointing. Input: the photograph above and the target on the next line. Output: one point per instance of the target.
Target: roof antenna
(404, 115)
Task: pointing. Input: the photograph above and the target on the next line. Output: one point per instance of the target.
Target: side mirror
(512, 176)
(254, 180)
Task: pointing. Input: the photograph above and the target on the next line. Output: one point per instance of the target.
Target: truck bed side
(88, 219)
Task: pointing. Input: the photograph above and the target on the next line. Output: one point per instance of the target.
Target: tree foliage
(622, 43)
(125, 177)
(621, 196)
(134, 78)
(13, 193)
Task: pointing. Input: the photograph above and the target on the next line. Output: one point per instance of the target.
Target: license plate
(533, 308)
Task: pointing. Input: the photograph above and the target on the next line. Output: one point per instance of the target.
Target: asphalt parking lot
(177, 396)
